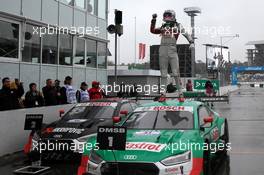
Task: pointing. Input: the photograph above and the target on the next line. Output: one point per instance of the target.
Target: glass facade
(102, 9)
(50, 49)
(91, 6)
(31, 50)
(80, 4)
(91, 53)
(18, 39)
(65, 49)
(68, 2)
(102, 55)
(79, 57)
(9, 39)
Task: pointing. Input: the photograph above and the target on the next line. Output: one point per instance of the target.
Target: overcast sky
(229, 17)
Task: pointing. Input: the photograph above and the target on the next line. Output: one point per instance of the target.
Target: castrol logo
(145, 146)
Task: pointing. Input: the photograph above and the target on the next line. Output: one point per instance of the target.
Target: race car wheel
(207, 164)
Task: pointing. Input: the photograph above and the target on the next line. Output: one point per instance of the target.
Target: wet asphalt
(245, 114)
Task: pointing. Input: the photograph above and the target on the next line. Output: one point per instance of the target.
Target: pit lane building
(41, 39)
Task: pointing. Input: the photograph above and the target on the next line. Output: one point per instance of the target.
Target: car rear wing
(202, 99)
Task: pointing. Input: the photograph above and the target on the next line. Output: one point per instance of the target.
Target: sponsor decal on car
(165, 108)
(68, 130)
(147, 133)
(145, 146)
(97, 104)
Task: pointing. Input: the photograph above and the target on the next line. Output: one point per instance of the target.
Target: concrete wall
(12, 134)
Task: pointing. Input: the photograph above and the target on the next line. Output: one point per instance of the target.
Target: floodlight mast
(192, 12)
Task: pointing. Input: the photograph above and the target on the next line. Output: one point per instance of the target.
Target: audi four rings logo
(130, 157)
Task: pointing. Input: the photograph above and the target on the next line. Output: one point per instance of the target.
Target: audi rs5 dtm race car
(163, 138)
(65, 139)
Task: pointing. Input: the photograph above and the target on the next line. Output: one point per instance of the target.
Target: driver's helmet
(169, 16)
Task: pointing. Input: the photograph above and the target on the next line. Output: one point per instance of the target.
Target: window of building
(49, 48)
(31, 50)
(80, 3)
(91, 6)
(102, 55)
(102, 9)
(65, 53)
(91, 53)
(9, 39)
(68, 2)
(79, 57)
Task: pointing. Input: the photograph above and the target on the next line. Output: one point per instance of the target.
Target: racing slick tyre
(207, 164)
(225, 137)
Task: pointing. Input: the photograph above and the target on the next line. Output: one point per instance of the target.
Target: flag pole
(135, 61)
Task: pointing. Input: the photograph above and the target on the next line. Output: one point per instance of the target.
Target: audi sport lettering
(68, 130)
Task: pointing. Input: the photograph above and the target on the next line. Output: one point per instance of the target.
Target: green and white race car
(173, 137)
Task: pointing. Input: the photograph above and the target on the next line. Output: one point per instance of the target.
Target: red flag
(140, 50)
(143, 51)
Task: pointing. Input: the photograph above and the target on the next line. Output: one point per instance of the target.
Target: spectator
(58, 88)
(95, 92)
(189, 86)
(50, 93)
(83, 94)
(8, 96)
(209, 89)
(33, 97)
(68, 93)
(20, 88)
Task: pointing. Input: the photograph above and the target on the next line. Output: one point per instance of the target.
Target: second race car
(64, 139)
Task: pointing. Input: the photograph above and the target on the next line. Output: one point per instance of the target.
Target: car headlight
(95, 158)
(178, 159)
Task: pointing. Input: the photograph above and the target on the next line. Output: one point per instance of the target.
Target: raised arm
(153, 28)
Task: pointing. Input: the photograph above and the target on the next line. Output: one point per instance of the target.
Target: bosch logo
(130, 157)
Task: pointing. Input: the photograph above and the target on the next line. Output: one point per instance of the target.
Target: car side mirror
(124, 113)
(61, 112)
(208, 120)
(116, 119)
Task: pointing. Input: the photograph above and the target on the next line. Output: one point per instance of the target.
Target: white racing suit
(168, 50)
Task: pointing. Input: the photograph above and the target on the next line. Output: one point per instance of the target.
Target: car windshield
(93, 110)
(180, 120)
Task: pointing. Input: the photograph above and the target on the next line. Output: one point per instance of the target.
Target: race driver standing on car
(169, 32)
